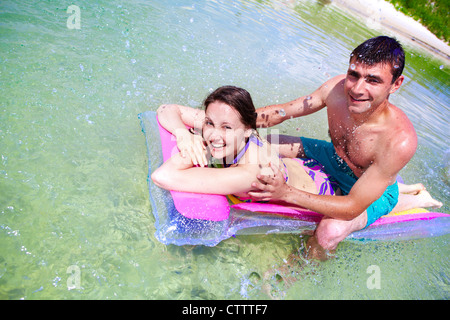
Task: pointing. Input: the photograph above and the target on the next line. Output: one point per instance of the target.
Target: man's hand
(271, 188)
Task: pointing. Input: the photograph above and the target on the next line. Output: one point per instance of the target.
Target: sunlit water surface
(75, 219)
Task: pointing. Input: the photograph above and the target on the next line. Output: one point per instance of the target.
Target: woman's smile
(223, 130)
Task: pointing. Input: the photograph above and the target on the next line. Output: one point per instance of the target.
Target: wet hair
(237, 98)
(381, 49)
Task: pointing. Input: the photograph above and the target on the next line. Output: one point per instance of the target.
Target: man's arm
(369, 187)
(361, 196)
(272, 115)
(275, 114)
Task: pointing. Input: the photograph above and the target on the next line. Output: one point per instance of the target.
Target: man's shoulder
(401, 137)
(334, 83)
(401, 122)
(333, 89)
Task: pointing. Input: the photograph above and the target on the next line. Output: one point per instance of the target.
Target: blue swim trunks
(335, 166)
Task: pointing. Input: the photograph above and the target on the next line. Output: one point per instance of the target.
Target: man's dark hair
(381, 49)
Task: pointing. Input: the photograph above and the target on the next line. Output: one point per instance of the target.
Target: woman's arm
(179, 175)
(174, 118)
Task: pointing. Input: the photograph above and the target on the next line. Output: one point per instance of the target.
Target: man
(372, 140)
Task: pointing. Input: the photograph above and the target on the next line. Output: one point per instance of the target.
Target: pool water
(75, 216)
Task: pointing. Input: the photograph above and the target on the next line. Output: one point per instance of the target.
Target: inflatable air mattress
(203, 219)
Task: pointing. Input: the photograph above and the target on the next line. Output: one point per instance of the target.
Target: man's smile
(357, 100)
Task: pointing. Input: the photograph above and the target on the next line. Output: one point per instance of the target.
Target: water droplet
(441, 66)
(396, 66)
(184, 48)
(308, 97)
(282, 112)
(352, 66)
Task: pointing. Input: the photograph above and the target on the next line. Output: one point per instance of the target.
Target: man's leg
(415, 196)
(320, 245)
(329, 233)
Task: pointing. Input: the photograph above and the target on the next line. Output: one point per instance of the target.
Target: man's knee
(330, 231)
(329, 234)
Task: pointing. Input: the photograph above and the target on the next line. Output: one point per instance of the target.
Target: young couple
(371, 141)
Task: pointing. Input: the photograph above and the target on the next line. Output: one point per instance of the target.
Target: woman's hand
(192, 146)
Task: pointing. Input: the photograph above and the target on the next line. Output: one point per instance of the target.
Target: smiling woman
(228, 138)
(228, 141)
(224, 133)
(230, 120)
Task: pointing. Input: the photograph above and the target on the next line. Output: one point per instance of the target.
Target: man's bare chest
(355, 144)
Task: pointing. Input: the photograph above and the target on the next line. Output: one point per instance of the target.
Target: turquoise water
(75, 219)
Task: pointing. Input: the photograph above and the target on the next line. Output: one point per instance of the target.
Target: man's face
(367, 87)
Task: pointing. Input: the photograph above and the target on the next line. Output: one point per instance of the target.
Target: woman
(225, 132)
(230, 140)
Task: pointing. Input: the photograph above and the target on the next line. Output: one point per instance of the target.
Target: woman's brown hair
(237, 98)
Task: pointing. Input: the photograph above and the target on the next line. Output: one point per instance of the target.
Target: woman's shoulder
(258, 151)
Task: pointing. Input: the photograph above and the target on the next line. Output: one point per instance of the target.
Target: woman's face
(223, 131)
